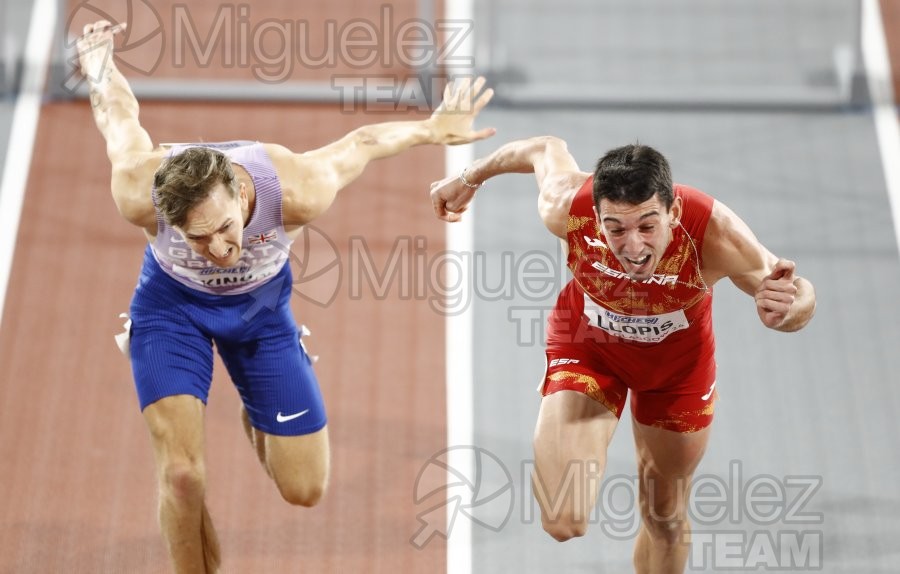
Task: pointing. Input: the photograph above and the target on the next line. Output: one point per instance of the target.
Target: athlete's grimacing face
(214, 228)
(638, 234)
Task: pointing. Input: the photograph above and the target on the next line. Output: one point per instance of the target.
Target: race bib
(646, 328)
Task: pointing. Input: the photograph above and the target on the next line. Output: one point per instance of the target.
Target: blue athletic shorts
(173, 328)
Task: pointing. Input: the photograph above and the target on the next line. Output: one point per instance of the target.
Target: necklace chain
(703, 286)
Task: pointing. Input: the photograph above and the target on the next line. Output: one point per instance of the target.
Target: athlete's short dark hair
(185, 180)
(633, 174)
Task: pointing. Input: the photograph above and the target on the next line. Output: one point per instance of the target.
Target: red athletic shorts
(672, 382)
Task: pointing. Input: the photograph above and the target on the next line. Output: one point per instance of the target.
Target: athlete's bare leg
(570, 442)
(257, 438)
(666, 464)
(299, 465)
(176, 431)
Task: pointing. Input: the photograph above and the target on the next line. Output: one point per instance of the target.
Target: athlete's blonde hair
(185, 180)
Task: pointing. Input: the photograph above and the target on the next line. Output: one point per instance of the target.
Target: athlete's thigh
(572, 427)
(304, 459)
(176, 430)
(667, 454)
(277, 383)
(570, 441)
(169, 354)
(581, 405)
(671, 430)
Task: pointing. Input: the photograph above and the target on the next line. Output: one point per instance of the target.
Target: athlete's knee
(302, 492)
(183, 480)
(667, 530)
(564, 528)
(299, 467)
(564, 523)
(565, 506)
(664, 515)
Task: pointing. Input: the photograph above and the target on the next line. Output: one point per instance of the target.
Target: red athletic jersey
(654, 334)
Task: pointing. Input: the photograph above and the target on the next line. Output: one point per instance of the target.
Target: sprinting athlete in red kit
(637, 315)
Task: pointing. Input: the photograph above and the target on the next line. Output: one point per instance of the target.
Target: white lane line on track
(458, 333)
(887, 122)
(22, 134)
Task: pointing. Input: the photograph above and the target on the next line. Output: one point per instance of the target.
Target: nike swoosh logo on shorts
(709, 394)
(285, 418)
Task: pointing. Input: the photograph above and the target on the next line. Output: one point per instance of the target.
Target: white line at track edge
(22, 134)
(458, 344)
(887, 122)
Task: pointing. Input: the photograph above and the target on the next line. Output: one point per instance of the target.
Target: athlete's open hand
(95, 50)
(451, 123)
(775, 295)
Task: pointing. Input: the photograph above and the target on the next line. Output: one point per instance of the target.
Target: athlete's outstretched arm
(784, 301)
(556, 171)
(115, 110)
(311, 180)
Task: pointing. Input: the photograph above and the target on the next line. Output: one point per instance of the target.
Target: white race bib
(643, 328)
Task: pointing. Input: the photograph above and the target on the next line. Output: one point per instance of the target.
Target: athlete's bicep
(339, 163)
(555, 200)
(131, 186)
(126, 138)
(555, 161)
(558, 179)
(732, 250)
(308, 186)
